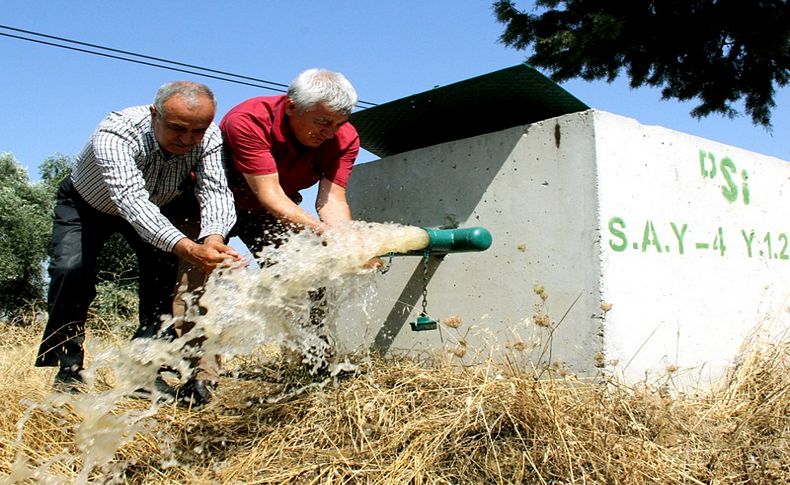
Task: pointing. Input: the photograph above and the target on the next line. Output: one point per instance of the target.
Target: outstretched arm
(331, 203)
(271, 196)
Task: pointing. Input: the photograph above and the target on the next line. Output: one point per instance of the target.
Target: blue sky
(52, 98)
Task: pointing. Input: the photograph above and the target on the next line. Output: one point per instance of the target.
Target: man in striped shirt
(144, 171)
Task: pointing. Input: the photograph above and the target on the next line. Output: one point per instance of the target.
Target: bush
(25, 228)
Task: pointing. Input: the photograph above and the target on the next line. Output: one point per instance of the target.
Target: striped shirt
(122, 171)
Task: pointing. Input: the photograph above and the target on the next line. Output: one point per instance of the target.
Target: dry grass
(403, 422)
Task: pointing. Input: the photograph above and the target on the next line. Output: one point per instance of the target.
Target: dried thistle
(459, 351)
(518, 346)
(452, 322)
(541, 320)
(600, 359)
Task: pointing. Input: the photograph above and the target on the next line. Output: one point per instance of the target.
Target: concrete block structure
(633, 248)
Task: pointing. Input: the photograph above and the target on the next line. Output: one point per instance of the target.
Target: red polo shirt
(259, 141)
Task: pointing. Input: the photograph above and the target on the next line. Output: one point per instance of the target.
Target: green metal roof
(514, 96)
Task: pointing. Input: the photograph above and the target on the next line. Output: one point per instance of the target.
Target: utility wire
(193, 69)
(140, 62)
(96, 46)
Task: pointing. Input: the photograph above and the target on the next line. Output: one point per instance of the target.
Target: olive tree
(25, 228)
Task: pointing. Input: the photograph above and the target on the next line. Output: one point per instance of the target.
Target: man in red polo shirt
(279, 145)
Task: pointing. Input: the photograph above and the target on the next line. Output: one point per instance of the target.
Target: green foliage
(115, 302)
(53, 170)
(715, 51)
(117, 263)
(25, 228)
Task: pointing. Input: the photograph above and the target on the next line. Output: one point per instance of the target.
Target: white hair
(315, 86)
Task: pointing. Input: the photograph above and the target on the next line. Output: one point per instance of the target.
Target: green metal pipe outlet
(457, 240)
(444, 241)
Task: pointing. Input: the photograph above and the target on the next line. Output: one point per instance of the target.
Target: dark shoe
(196, 393)
(162, 391)
(68, 379)
(166, 369)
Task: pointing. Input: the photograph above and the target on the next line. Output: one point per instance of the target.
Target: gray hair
(190, 91)
(315, 86)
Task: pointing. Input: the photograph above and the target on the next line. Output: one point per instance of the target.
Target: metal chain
(425, 257)
(384, 268)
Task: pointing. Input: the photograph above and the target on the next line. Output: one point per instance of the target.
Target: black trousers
(78, 234)
(258, 229)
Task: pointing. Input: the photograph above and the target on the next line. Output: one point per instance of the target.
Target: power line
(143, 56)
(193, 69)
(140, 62)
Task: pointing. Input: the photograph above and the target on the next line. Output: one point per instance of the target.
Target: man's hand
(374, 263)
(208, 255)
